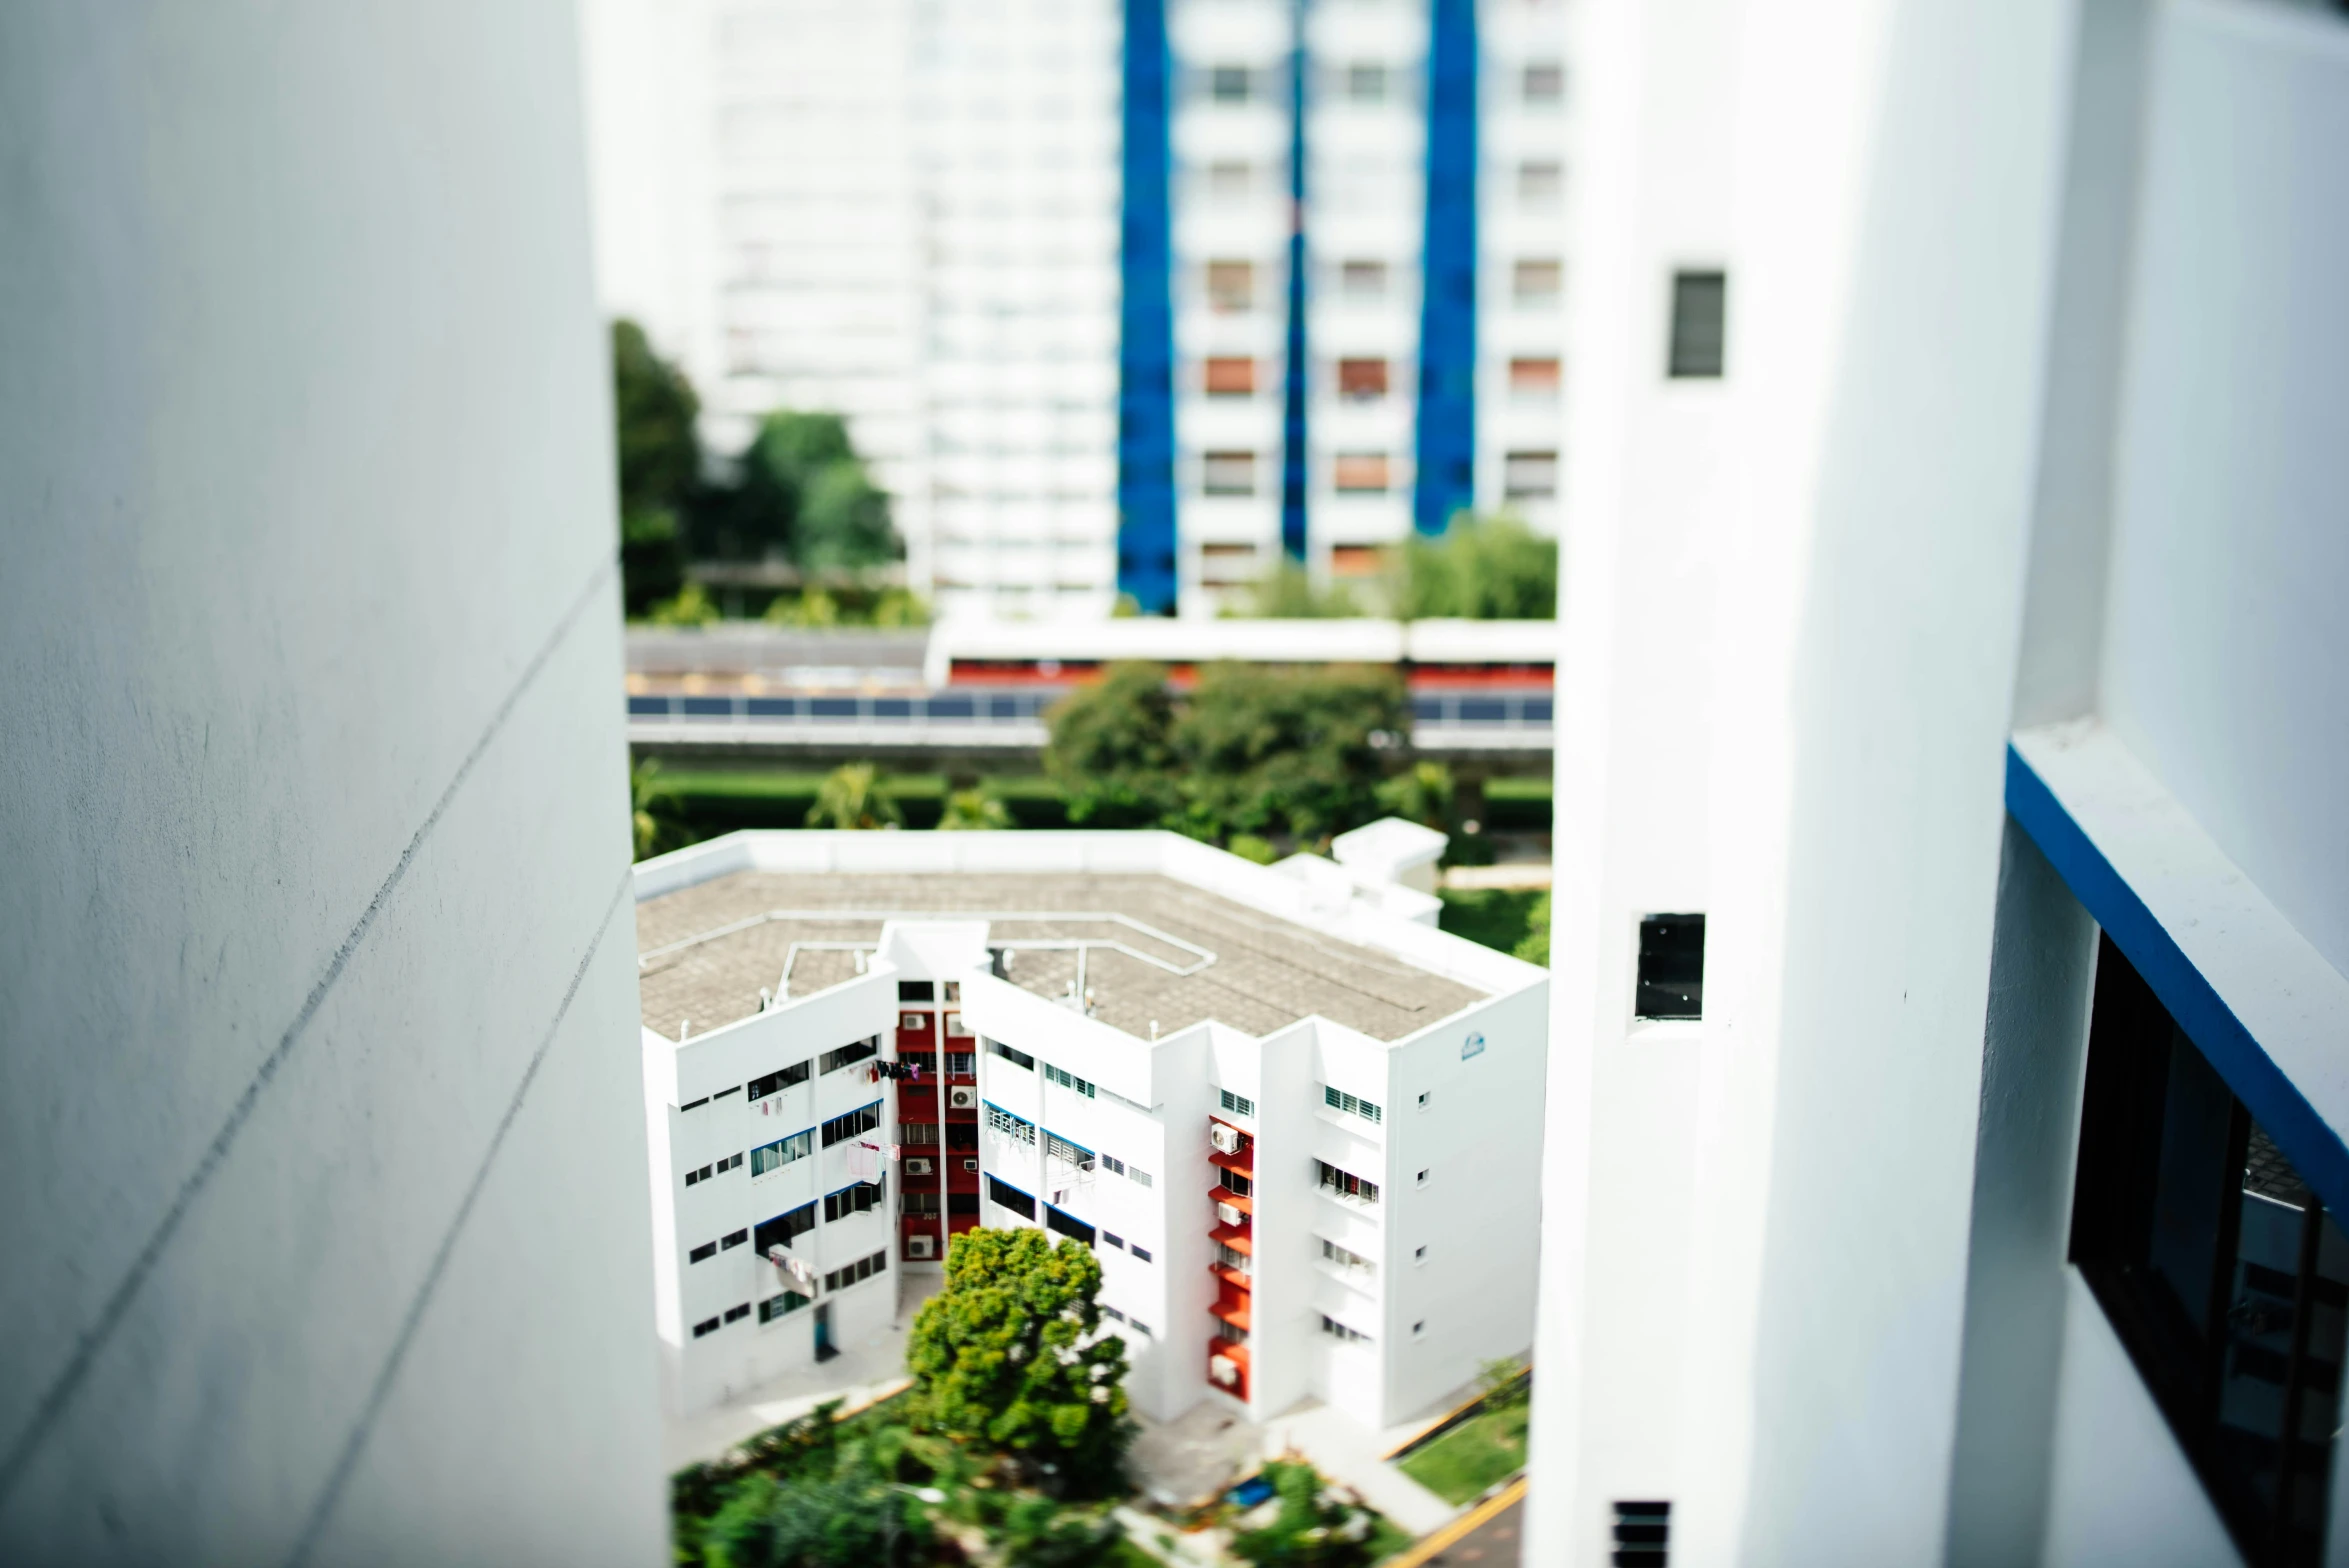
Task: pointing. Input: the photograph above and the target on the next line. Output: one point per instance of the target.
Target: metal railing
(977, 710)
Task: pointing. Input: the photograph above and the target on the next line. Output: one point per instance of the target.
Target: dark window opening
(913, 990)
(1643, 1535)
(736, 1314)
(708, 1249)
(1015, 1057)
(862, 1198)
(780, 1231)
(1011, 1198)
(1671, 967)
(962, 1135)
(735, 1239)
(776, 1083)
(2218, 1267)
(962, 1203)
(1700, 325)
(1068, 1224)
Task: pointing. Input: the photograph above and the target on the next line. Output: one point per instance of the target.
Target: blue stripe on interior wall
(1146, 537)
(1295, 378)
(1444, 453)
(2314, 1148)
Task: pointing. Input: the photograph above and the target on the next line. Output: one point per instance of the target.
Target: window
(1362, 380)
(1011, 1198)
(1233, 1258)
(1016, 1058)
(1068, 1224)
(776, 1083)
(1142, 1252)
(775, 1306)
(1138, 1176)
(1114, 1239)
(784, 1228)
(1671, 967)
(861, 1198)
(2221, 1271)
(1112, 1313)
(1138, 1326)
(1540, 181)
(694, 1105)
(1002, 1122)
(1342, 1257)
(1338, 1331)
(1534, 380)
(1228, 83)
(1338, 1100)
(1543, 84)
(1423, 1099)
(1231, 285)
(708, 1249)
(1529, 474)
(705, 1326)
(1419, 1329)
(1537, 282)
(917, 1203)
(1229, 473)
(1228, 179)
(774, 1156)
(1231, 376)
(722, 1093)
(1236, 1104)
(736, 1314)
(1700, 325)
(833, 1061)
(1345, 1184)
(1068, 1080)
(861, 1269)
(1643, 1534)
(962, 1203)
(1360, 473)
(729, 1162)
(732, 1240)
(1363, 280)
(924, 1134)
(1058, 1148)
(1366, 82)
(962, 1064)
(701, 1175)
(1112, 1162)
(914, 991)
(1419, 1255)
(1234, 1183)
(848, 1125)
(962, 1135)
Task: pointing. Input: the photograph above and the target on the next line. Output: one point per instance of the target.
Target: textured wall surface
(320, 1129)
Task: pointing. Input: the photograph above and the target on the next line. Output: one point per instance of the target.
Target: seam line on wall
(68, 1383)
(380, 1394)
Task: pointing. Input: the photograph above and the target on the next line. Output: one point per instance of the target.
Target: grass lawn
(1495, 916)
(1388, 1539)
(1458, 1466)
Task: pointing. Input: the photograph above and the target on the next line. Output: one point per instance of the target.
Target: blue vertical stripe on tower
(1295, 382)
(1445, 450)
(1145, 355)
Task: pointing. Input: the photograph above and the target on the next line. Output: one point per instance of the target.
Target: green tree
(1263, 749)
(801, 491)
(1535, 948)
(843, 523)
(691, 607)
(1111, 749)
(805, 1522)
(1490, 569)
(1038, 1532)
(969, 809)
(1312, 1530)
(1504, 1383)
(1005, 1357)
(1421, 793)
(654, 409)
(1289, 593)
(652, 806)
(850, 798)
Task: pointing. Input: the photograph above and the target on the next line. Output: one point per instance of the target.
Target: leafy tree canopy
(969, 809)
(1493, 569)
(1005, 1357)
(660, 466)
(1311, 1530)
(1112, 749)
(1289, 593)
(801, 491)
(850, 798)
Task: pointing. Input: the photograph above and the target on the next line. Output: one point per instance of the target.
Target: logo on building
(1472, 1046)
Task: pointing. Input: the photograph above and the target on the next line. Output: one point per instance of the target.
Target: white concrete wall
(2226, 655)
(320, 1112)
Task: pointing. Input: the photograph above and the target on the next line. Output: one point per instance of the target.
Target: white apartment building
(1948, 1133)
(1298, 1125)
(926, 217)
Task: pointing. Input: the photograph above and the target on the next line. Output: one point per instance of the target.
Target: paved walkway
(1490, 1535)
(1345, 1451)
(858, 1376)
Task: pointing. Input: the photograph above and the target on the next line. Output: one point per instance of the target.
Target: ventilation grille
(1643, 1534)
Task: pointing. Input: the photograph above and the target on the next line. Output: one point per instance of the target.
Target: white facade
(1108, 1133)
(1970, 635)
(319, 1120)
(904, 211)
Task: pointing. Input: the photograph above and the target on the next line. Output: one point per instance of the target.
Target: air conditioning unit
(1224, 1370)
(912, 1021)
(954, 1024)
(970, 1163)
(921, 1246)
(964, 1099)
(1229, 1215)
(1225, 1137)
(915, 1166)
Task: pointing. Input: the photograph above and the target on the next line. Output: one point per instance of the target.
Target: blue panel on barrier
(1145, 396)
(1444, 451)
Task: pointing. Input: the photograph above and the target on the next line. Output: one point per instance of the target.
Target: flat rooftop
(706, 951)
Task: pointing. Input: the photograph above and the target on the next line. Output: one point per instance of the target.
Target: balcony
(1232, 1308)
(1236, 1356)
(1234, 1237)
(1242, 1163)
(1224, 1195)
